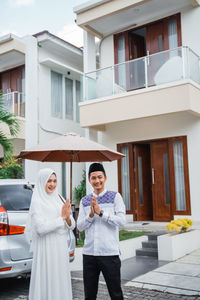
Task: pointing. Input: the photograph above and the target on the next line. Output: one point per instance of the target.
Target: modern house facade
(41, 81)
(144, 100)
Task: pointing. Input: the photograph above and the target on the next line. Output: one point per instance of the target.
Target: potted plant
(179, 241)
(180, 225)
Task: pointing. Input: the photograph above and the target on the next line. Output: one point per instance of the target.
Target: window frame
(63, 104)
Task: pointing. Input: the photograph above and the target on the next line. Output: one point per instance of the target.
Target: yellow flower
(180, 225)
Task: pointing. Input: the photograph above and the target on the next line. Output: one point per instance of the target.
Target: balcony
(142, 87)
(105, 17)
(15, 103)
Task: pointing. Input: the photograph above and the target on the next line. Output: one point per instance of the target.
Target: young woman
(47, 227)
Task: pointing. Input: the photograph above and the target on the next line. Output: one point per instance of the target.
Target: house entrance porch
(153, 179)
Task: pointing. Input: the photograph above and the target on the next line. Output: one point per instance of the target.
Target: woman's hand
(66, 210)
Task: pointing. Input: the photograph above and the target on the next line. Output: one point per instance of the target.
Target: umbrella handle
(61, 198)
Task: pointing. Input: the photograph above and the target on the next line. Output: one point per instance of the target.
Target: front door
(136, 67)
(160, 181)
(143, 193)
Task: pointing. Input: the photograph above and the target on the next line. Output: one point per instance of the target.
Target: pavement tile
(190, 259)
(180, 269)
(181, 291)
(195, 252)
(174, 281)
(152, 287)
(135, 284)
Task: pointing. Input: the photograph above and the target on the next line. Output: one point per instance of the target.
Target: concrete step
(153, 236)
(147, 252)
(150, 244)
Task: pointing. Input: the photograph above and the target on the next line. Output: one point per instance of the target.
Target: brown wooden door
(16, 80)
(136, 68)
(11, 81)
(5, 82)
(160, 181)
(156, 38)
(156, 41)
(143, 182)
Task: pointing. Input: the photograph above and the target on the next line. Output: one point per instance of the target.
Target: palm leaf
(13, 126)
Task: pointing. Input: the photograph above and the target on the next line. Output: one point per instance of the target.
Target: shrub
(80, 191)
(11, 169)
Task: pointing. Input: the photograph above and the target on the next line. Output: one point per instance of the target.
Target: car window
(15, 197)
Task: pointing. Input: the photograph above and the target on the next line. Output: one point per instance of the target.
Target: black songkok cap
(96, 167)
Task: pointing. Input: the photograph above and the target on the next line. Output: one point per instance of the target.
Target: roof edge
(88, 5)
(39, 34)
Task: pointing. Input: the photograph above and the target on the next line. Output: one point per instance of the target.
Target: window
(179, 176)
(69, 98)
(125, 177)
(65, 97)
(16, 197)
(56, 95)
(180, 173)
(140, 181)
(78, 99)
(121, 71)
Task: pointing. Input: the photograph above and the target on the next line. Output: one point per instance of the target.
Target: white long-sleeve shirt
(43, 227)
(102, 233)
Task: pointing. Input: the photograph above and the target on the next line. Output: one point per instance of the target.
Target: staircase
(150, 248)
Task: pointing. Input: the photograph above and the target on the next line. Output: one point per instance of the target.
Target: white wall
(48, 125)
(31, 98)
(40, 125)
(154, 128)
(107, 52)
(45, 53)
(190, 21)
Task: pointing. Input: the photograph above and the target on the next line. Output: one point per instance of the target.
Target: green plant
(180, 225)
(123, 235)
(11, 121)
(80, 191)
(11, 169)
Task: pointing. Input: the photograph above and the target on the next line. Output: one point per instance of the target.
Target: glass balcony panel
(152, 70)
(15, 103)
(90, 86)
(194, 64)
(129, 76)
(104, 82)
(165, 67)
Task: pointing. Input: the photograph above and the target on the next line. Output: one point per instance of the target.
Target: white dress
(50, 277)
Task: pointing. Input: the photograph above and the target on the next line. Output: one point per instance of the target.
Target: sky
(25, 17)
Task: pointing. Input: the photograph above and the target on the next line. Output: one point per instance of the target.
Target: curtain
(179, 176)
(69, 98)
(121, 58)
(173, 37)
(125, 177)
(56, 95)
(78, 99)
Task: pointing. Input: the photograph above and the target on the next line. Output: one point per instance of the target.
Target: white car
(15, 257)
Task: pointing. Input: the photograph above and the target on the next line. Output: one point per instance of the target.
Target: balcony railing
(15, 103)
(152, 70)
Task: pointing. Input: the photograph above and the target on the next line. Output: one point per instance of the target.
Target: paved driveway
(17, 289)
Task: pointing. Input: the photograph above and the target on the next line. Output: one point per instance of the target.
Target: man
(100, 214)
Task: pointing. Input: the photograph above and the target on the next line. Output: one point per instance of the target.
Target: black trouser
(110, 267)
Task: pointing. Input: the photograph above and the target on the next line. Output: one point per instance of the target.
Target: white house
(41, 79)
(144, 100)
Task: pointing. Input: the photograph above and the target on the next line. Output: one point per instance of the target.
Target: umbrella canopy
(70, 148)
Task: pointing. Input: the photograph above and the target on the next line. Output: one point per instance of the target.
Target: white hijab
(47, 206)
